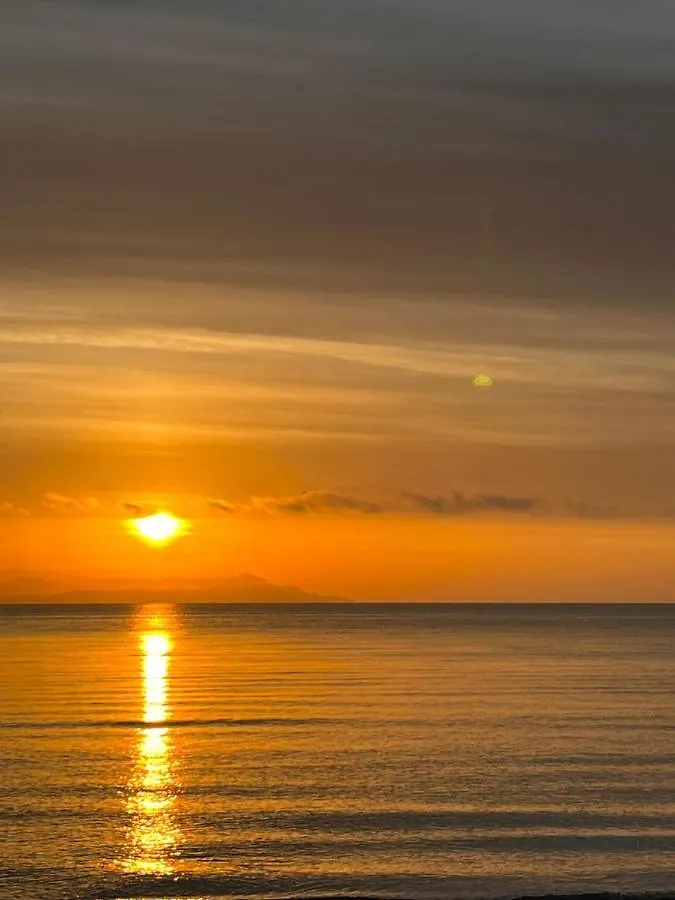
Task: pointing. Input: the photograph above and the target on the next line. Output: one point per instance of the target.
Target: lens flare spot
(483, 381)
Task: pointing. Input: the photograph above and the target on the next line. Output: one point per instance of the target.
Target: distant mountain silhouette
(23, 587)
(243, 588)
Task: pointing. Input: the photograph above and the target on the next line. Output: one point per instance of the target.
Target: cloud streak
(60, 503)
(133, 509)
(320, 503)
(324, 502)
(11, 510)
(607, 368)
(459, 504)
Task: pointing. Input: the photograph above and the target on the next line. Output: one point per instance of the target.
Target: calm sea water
(381, 751)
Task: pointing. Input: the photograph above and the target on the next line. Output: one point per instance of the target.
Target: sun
(160, 529)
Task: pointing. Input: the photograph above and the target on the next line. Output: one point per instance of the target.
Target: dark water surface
(428, 752)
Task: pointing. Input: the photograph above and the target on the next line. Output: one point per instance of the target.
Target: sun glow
(160, 529)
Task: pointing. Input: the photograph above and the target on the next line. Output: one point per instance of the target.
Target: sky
(252, 256)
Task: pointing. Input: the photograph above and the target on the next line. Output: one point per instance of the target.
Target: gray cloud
(320, 502)
(450, 505)
(222, 506)
(307, 503)
(582, 510)
(458, 504)
(134, 509)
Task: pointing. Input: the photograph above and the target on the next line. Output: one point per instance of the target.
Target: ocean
(384, 751)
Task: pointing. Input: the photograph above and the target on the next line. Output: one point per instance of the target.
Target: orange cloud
(59, 503)
(8, 510)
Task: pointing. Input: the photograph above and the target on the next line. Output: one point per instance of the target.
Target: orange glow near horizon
(363, 558)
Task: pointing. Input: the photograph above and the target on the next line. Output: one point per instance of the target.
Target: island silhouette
(242, 588)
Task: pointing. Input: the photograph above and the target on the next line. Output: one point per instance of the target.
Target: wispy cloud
(458, 504)
(313, 502)
(406, 503)
(325, 502)
(59, 503)
(223, 506)
(133, 509)
(9, 510)
(582, 510)
(319, 502)
(603, 368)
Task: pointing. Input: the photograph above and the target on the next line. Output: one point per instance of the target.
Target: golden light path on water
(152, 786)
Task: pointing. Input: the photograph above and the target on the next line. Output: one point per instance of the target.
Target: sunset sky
(252, 256)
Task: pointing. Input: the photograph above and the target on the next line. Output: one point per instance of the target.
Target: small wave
(207, 889)
(169, 723)
(601, 895)
(40, 883)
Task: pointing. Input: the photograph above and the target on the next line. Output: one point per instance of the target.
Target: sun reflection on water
(152, 788)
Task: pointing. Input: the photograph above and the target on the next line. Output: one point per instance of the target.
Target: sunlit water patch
(396, 752)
